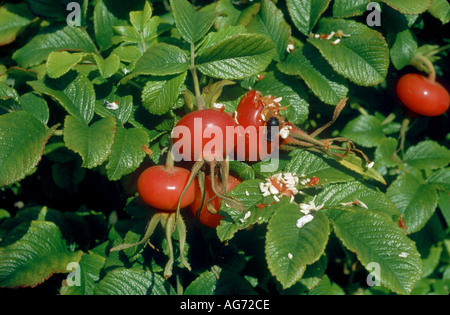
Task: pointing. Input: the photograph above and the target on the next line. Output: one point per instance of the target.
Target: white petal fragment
(278, 99)
(304, 220)
(403, 255)
(336, 41)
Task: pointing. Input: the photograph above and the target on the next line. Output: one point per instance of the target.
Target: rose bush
(356, 202)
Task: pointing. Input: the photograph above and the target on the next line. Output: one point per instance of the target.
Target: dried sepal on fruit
(170, 223)
(263, 112)
(206, 137)
(300, 139)
(165, 188)
(207, 204)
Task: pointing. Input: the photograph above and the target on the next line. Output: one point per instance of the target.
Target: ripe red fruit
(422, 95)
(250, 107)
(206, 217)
(161, 187)
(260, 113)
(203, 135)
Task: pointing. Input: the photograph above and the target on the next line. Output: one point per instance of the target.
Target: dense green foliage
(78, 103)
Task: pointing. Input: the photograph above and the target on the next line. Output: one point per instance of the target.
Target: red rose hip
(161, 187)
(422, 95)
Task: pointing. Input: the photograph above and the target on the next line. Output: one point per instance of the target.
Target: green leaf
(212, 92)
(427, 51)
(75, 227)
(248, 192)
(362, 57)
(69, 175)
(232, 283)
(325, 83)
(90, 268)
(347, 8)
(192, 25)
(365, 130)
(22, 141)
(305, 14)
(133, 281)
(307, 165)
(36, 106)
(402, 49)
(409, 7)
(162, 59)
(269, 167)
(214, 37)
(243, 170)
(232, 15)
(237, 57)
(295, 98)
(108, 66)
(160, 94)
(4, 215)
(93, 143)
(289, 248)
(31, 253)
(76, 95)
(234, 220)
(59, 63)
(440, 178)
(326, 287)
(385, 152)
(365, 195)
(440, 9)
(358, 165)
(444, 205)
(53, 39)
(314, 273)
(13, 17)
(110, 16)
(123, 111)
(127, 53)
(431, 253)
(376, 239)
(402, 42)
(127, 153)
(204, 284)
(427, 155)
(140, 18)
(270, 22)
(128, 34)
(416, 200)
(7, 92)
(104, 21)
(50, 8)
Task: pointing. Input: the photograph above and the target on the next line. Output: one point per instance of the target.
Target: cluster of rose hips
(169, 188)
(254, 132)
